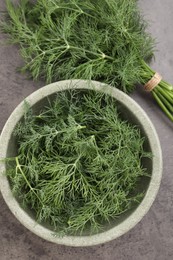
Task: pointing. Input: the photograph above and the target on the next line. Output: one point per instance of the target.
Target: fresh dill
(78, 162)
(102, 39)
(105, 40)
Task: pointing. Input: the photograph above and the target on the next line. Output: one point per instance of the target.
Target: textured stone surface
(152, 238)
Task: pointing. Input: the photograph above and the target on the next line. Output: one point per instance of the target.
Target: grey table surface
(152, 238)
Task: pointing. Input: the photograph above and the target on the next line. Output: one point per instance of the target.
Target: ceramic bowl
(132, 112)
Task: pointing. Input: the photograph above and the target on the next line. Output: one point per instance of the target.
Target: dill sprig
(78, 163)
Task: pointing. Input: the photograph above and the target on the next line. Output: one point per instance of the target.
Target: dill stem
(90, 52)
(18, 166)
(165, 101)
(163, 107)
(78, 10)
(163, 92)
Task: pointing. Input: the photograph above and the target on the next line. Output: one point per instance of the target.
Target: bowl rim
(132, 219)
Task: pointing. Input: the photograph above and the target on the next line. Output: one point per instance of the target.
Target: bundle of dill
(91, 39)
(78, 162)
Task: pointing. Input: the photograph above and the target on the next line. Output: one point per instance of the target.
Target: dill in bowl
(78, 162)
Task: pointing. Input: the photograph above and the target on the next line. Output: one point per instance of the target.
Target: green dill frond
(78, 162)
(102, 40)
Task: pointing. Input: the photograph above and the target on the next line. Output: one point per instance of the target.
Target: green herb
(91, 39)
(104, 40)
(78, 162)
